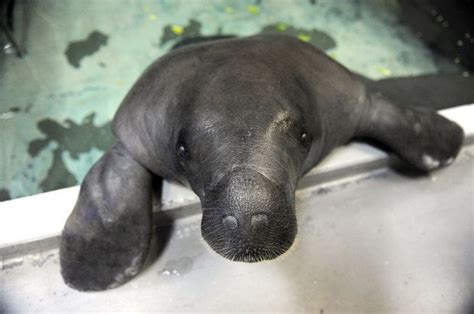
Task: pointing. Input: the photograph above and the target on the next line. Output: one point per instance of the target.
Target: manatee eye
(181, 150)
(306, 139)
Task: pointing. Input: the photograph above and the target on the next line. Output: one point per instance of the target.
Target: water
(57, 102)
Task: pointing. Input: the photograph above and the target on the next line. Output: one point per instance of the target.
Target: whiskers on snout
(254, 254)
(247, 240)
(247, 253)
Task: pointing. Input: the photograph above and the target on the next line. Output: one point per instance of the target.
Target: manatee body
(240, 121)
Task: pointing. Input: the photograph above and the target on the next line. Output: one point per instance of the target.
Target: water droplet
(459, 43)
(8, 48)
(176, 273)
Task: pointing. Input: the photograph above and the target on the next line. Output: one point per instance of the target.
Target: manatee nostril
(259, 220)
(230, 222)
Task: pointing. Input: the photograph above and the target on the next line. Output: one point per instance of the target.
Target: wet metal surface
(382, 243)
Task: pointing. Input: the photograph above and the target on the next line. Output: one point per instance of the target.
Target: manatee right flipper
(106, 238)
(423, 138)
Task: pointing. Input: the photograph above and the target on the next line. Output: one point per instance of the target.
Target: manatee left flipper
(421, 137)
(106, 238)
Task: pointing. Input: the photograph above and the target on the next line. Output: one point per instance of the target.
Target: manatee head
(245, 168)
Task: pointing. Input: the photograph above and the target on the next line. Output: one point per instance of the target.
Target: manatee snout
(248, 217)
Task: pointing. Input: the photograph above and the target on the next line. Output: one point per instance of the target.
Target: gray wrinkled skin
(239, 121)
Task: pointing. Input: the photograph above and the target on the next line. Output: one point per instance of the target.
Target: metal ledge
(25, 229)
(377, 242)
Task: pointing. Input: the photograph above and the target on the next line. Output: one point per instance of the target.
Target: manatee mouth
(249, 249)
(248, 218)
